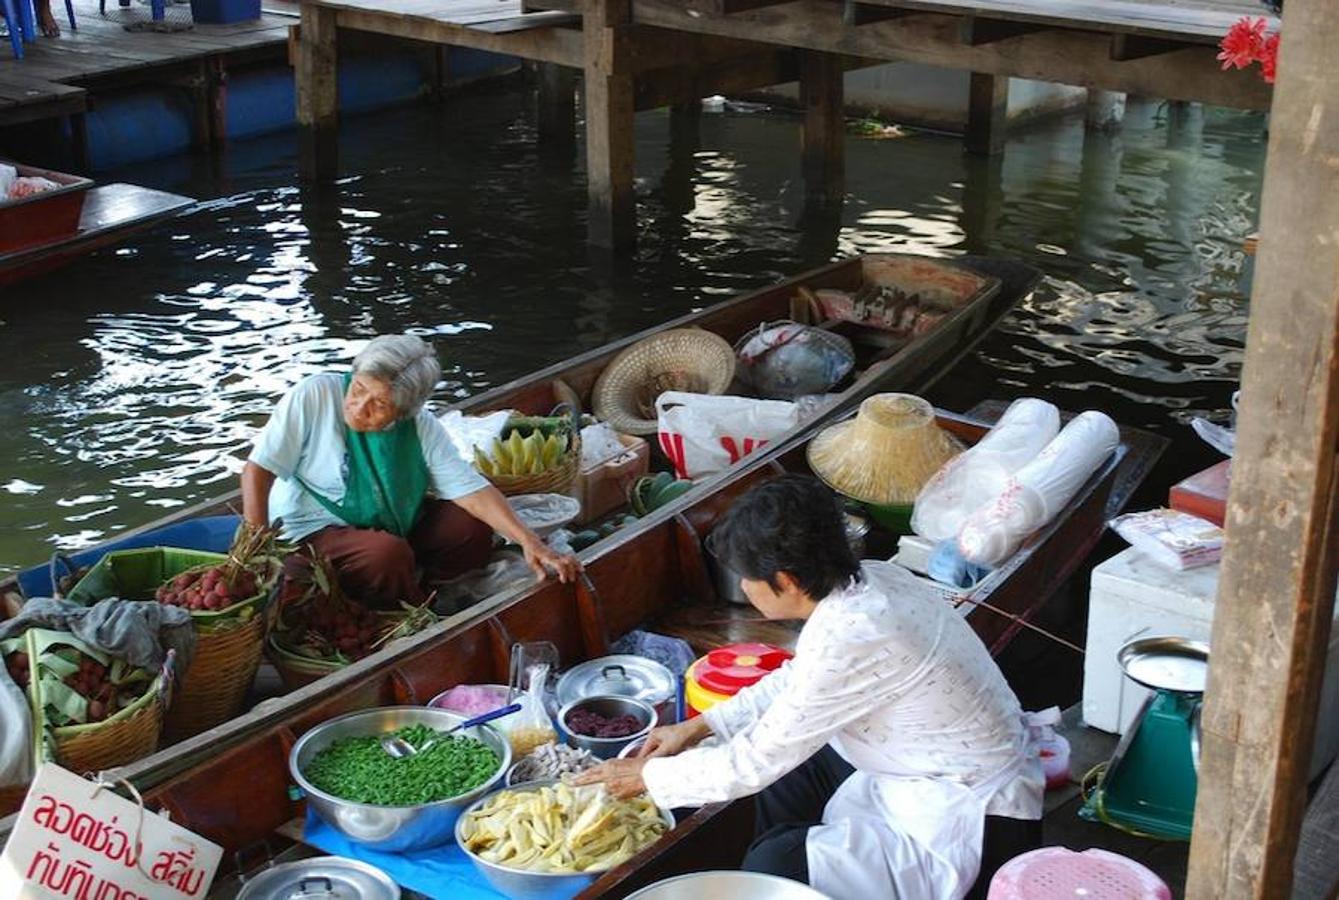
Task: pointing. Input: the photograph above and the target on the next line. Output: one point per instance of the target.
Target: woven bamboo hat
(681, 359)
(886, 453)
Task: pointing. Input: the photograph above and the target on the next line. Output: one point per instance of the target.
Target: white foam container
(1132, 596)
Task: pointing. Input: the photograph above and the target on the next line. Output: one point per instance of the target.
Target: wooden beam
(977, 31)
(1276, 591)
(987, 114)
(553, 44)
(1068, 57)
(317, 95)
(725, 7)
(823, 142)
(1131, 46)
(610, 110)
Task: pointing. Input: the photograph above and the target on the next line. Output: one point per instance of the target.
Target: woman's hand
(542, 559)
(671, 740)
(621, 777)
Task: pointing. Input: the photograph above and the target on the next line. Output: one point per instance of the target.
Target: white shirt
(305, 438)
(905, 691)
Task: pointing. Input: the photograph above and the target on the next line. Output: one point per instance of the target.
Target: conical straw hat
(886, 453)
(681, 359)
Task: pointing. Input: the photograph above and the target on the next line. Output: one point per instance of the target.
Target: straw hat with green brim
(886, 454)
(682, 359)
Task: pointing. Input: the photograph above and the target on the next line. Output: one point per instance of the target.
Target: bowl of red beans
(605, 724)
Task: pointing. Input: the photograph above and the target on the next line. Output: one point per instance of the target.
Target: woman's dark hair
(791, 524)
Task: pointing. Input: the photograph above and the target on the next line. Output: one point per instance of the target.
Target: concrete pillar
(1106, 109)
(987, 114)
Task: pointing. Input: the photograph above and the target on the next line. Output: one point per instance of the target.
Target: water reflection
(134, 380)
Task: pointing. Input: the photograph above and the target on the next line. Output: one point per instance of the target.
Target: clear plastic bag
(531, 664)
(1039, 490)
(978, 476)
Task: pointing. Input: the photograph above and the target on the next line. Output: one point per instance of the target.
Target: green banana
(483, 463)
(503, 464)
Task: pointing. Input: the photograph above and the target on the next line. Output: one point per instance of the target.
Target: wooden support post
(610, 119)
(556, 94)
(1276, 591)
(317, 94)
(686, 125)
(1106, 109)
(823, 142)
(216, 92)
(987, 114)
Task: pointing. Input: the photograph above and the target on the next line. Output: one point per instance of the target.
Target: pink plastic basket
(1055, 873)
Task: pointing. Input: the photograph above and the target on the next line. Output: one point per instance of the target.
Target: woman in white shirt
(354, 467)
(886, 755)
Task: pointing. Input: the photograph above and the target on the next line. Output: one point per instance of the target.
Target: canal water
(133, 380)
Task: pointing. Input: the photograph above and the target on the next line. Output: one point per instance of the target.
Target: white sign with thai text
(73, 840)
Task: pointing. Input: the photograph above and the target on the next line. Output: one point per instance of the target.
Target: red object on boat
(44, 217)
(726, 671)
(1204, 494)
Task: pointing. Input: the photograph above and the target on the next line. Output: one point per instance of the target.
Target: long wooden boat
(232, 783)
(912, 365)
(111, 213)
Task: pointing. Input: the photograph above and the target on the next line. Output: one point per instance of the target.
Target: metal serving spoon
(399, 748)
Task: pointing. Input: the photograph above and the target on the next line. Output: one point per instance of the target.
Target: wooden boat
(110, 213)
(905, 365)
(232, 783)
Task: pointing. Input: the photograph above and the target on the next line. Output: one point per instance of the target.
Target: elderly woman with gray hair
(353, 466)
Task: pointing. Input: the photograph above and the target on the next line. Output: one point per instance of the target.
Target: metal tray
(1166, 663)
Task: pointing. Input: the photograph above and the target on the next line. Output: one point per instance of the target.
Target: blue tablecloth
(441, 872)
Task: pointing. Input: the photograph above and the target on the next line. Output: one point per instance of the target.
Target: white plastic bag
(468, 432)
(975, 478)
(703, 433)
(1039, 490)
(16, 761)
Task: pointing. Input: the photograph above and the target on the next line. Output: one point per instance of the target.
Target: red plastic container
(45, 218)
(1204, 494)
(726, 671)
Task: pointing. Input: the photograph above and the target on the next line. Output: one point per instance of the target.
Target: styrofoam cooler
(1132, 596)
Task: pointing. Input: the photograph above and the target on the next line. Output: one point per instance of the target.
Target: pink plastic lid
(1057, 873)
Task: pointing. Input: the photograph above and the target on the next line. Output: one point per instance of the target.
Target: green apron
(387, 480)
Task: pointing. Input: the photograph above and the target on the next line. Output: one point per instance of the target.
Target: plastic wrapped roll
(977, 477)
(1039, 490)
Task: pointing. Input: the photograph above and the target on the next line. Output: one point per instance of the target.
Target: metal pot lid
(622, 675)
(321, 878)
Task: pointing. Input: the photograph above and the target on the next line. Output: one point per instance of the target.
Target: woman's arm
(490, 507)
(256, 483)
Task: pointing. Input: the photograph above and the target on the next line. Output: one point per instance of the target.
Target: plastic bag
(468, 432)
(785, 360)
(978, 476)
(1039, 490)
(533, 727)
(599, 444)
(1173, 538)
(703, 433)
(16, 759)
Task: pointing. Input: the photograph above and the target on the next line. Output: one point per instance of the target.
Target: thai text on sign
(74, 839)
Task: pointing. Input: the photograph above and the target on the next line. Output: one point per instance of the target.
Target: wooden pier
(54, 76)
(639, 54)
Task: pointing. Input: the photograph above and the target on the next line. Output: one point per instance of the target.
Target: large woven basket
(214, 688)
(131, 734)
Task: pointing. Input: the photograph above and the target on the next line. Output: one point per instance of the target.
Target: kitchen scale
(1149, 785)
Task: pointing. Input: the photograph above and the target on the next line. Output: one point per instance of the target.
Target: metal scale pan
(1166, 664)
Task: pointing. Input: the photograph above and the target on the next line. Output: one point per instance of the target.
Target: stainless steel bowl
(520, 884)
(726, 886)
(630, 751)
(609, 706)
(392, 828)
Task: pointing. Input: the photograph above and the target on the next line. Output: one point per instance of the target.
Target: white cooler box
(1132, 597)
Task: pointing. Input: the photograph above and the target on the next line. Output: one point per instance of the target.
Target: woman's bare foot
(45, 20)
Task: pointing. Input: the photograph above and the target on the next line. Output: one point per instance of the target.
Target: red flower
(1269, 57)
(1243, 43)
